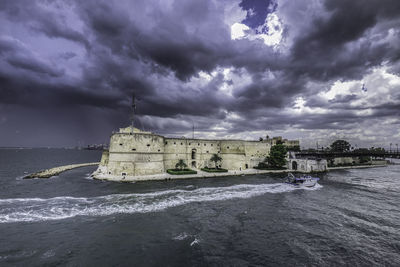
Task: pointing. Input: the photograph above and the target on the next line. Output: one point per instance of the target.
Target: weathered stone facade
(306, 165)
(137, 153)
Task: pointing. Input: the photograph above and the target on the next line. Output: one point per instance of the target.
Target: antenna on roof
(133, 110)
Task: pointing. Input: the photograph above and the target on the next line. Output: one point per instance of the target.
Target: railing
(332, 154)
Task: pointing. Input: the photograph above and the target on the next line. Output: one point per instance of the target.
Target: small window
(148, 144)
(174, 143)
(227, 147)
(207, 151)
(204, 144)
(159, 150)
(181, 144)
(123, 174)
(120, 144)
(190, 144)
(133, 149)
(109, 172)
(198, 144)
(166, 142)
(211, 144)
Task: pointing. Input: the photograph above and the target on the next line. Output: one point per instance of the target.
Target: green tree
(277, 156)
(340, 146)
(363, 158)
(215, 158)
(180, 165)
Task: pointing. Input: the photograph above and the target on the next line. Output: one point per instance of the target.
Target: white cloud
(270, 32)
(238, 31)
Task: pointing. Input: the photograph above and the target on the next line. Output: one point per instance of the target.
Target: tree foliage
(340, 146)
(277, 156)
(180, 165)
(215, 158)
(363, 159)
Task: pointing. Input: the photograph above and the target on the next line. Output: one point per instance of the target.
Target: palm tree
(215, 158)
(180, 165)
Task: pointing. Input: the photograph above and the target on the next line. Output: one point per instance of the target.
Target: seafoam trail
(42, 209)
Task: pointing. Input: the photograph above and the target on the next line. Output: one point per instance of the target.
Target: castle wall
(135, 153)
(256, 152)
(195, 152)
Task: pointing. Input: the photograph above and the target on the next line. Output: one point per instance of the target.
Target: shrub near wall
(214, 170)
(181, 172)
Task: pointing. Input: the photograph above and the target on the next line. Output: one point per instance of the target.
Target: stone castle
(133, 152)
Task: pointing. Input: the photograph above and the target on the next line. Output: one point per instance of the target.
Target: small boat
(305, 180)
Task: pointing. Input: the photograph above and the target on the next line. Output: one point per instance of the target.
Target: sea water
(352, 217)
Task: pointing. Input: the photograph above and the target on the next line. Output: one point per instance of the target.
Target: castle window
(190, 144)
(123, 174)
(166, 142)
(148, 144)
(133, 149)
(207, 151)
(198, 144)
(159, 150)
(227, 147)
(211, 144)
(204, 144)
(174, 143)
(181, 143)
(120, 144)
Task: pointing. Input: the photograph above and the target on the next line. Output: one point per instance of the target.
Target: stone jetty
(57, 170)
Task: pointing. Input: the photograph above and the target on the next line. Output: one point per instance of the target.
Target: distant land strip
(57, 170)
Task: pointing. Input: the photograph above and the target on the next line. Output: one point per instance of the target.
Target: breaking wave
(41, 209)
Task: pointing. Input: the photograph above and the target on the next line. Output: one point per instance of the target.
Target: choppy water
(352, 218)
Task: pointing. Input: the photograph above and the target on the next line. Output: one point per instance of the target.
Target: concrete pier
(57, 170)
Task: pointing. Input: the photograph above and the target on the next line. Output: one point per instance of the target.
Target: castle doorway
(194, 164)
(193, 153)
(294, 165)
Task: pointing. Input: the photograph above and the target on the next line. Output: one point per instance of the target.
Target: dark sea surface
(352, 218)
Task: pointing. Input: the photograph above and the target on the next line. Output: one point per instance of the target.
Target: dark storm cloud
(40, 20)
(330, 49)
(160, 50)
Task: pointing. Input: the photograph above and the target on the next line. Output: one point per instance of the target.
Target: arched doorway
(193, 153)
(294, 165)
(194, 164)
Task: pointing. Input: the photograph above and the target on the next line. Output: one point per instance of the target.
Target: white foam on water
(195, 241)
(181, 236)
(41, 209)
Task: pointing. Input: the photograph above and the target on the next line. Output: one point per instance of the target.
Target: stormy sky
(314, 70)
